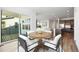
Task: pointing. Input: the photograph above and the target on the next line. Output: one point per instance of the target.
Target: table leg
(40, 45)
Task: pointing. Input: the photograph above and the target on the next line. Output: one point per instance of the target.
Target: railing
(9, 33)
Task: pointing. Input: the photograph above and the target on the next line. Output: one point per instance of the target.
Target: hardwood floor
(68, 43)
(41, 47)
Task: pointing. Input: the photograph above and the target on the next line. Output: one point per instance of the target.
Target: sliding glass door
(9, 26)
(0, 26)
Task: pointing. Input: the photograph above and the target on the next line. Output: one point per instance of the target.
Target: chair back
(29, 32)
(56, 39)
(57, 31)
(48, 31)
(58, 43)
(23, 43)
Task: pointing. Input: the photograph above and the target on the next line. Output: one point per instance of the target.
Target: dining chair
(53, 44)
(28, 32)
(26, 44)
(28, 35)
(57, 31)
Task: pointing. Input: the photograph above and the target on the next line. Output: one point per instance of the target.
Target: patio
(9, 47)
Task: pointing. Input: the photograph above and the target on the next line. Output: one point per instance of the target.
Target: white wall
(24, 11)
(33, 22)
(52, 24)
(0, 25)
(76, 26)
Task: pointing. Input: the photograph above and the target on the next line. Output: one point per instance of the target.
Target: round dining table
(39, 37)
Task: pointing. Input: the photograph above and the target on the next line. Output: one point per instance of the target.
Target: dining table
(40, 36)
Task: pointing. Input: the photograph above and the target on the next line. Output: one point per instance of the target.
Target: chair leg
(18, 46)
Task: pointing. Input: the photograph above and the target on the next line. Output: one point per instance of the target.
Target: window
(62, 25)
(67, 26)
(25, 25)
(43, 23)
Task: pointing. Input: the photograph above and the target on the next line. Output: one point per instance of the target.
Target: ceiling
(8, 13)
(53, 12)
